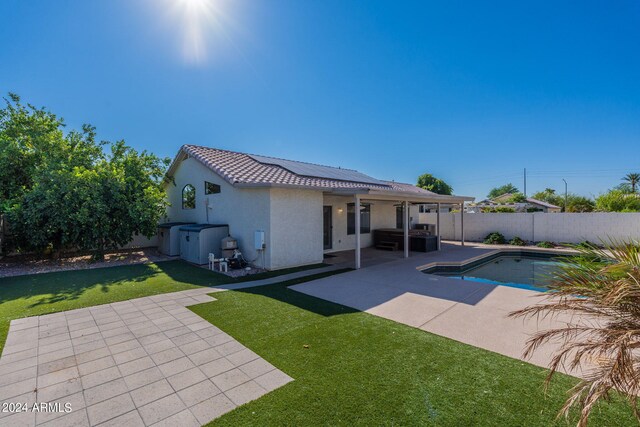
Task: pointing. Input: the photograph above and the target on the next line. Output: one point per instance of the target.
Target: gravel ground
(18, 266)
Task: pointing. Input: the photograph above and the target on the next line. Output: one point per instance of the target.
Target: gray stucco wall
(245, 210)
(296, 227)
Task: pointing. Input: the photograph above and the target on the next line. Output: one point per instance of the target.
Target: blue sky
(470, 92)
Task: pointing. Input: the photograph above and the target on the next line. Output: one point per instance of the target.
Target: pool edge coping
(495, 252)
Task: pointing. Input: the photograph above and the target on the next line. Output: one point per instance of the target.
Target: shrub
(495, 238)
(517, 241)
(587, 245)
(545, 244)
(579, 204)
(618, 201)
(503, 209)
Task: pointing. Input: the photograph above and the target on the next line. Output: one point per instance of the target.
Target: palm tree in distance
(632, 179)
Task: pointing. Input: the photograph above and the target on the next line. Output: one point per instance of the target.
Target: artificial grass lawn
(364, 370)
(31, 295)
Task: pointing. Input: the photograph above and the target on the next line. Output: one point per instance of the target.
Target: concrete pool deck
(470, 312)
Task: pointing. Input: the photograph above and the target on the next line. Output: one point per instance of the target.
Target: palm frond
(599, 290)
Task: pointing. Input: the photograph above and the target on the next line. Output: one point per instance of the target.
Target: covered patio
(402, 196)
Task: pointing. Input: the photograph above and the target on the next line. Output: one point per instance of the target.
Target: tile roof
(243, 169)
(542, 203)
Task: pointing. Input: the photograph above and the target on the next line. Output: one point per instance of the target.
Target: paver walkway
(146, 361)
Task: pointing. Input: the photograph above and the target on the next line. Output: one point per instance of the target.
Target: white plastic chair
(212, 261)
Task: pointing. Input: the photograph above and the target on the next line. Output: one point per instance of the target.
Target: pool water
(533, 273)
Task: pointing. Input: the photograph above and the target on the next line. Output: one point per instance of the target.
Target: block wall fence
(536, 227)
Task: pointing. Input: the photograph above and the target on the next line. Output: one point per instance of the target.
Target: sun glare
(199, 19)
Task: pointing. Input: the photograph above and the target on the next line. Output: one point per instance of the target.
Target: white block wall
(554, 227)
(142, 242)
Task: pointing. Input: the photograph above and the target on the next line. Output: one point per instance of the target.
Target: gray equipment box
(169, 238)
(198, 240)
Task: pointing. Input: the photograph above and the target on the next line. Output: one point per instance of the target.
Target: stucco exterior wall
(383, 215)
(296, 227)
(553, 227)
(244, 210)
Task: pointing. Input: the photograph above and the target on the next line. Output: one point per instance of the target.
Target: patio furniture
(387, 246)
(393, 239)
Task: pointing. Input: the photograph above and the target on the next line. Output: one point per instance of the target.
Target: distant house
(503, 198)
(303, 210)
(504, 201)
(543, 206)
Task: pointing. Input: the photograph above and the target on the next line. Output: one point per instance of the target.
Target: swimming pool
(531, 271)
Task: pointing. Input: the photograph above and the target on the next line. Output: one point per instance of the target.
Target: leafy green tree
(75, 196)
(504, 189)
(97, 208)
(632, 179)
(618, 201)
(431, 183)
(549, 195)
(32, 139)
(574, 202)
(517, 198)
(579, 204)
(625, 187)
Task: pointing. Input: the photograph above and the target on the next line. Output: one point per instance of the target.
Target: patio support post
(438, 223)
(462, 223)
(357, 226)
(405, 225)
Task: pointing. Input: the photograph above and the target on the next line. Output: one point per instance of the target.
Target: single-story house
(305, 210)
(542, 206)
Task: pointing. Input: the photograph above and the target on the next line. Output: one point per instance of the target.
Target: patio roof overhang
(369, 194)
(406, 198)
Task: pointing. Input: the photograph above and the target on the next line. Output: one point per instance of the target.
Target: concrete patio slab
(470, 312)
(147, 361)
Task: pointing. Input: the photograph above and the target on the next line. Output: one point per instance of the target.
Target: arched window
(188, 197)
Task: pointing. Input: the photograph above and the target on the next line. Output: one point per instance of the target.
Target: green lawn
(358, 369)
(363, 370)
(35, 294)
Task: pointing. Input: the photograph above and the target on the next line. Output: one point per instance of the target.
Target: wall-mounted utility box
(260, 244)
